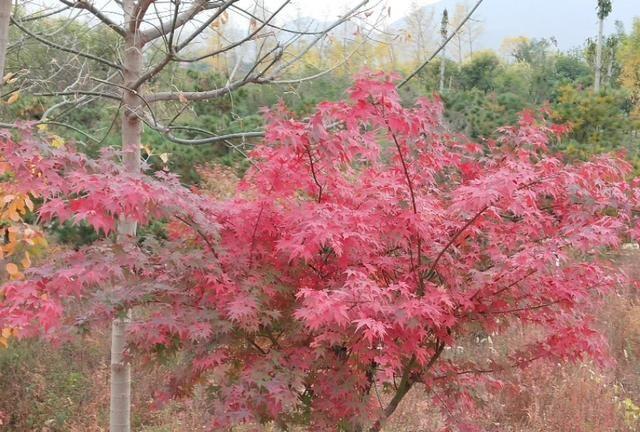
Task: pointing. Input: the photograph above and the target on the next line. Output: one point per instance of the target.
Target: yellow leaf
(29, 203)
(42, 127)
(57, 142)
(13, 98)
(26, 261)
(4, 343)
(8, 77)
(12, 214)
(164, 157)
(12, 269)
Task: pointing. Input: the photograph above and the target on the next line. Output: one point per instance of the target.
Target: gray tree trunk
(120, 408)
(612, 56)
(5, 15)
(596, 84)
(442, 68)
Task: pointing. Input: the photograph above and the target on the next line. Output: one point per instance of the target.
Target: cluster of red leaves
(362, 244)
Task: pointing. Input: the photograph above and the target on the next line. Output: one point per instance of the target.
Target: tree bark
(596, 83)
(612, 56)
(403, 389)
(442, 69)
(120, 408)
(5, 15)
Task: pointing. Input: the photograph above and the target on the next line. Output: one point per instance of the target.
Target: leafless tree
(444, 30)
(420, 28)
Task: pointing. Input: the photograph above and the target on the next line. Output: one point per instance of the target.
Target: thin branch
(183, 18)
(319, 74)
(197, 96)
(247, 38)
(313, 173)
(37, 15)
(63, 48)
(205, 25)
(90, 7)
(484, 371)
(253, 236)
(57, 123)
(194, 227)
(80, 92)
(524, 309)
(441, 47)
(336, 23)
(405, 168)
(213, 139)
(284, 29)
(431, 270)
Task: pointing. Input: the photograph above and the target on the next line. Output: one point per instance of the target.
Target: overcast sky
(569, 21)
(331, 8)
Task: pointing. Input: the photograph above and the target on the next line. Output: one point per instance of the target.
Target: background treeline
(483, 90)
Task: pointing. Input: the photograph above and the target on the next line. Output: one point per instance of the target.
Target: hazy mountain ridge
(571, 22)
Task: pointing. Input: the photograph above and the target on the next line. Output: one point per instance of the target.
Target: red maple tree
(363, 244)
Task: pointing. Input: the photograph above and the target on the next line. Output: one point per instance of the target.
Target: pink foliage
(361, 245)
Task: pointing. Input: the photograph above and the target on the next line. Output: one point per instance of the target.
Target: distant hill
(570, 22)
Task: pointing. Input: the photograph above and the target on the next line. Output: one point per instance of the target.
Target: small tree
(444, 24)
(363, 244)
(604, 9)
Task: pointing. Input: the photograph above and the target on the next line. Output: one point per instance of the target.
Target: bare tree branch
(247, 38)
(326, 31)
(171, 51)
(39, 15)
(63, 48)
(80, 92)
(284, 29)
(183, 18)
(441, 47)
(212, 139)
(90, 7)
(198, 96)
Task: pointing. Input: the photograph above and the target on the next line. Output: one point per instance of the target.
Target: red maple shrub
(359, 248)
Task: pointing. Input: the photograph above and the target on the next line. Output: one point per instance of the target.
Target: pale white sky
(319, 9)
(331, 8)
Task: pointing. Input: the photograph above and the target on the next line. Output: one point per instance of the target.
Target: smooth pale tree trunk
(120, 408)
(442, 69)
(610, 67)
(5, 15)
(596, 84)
